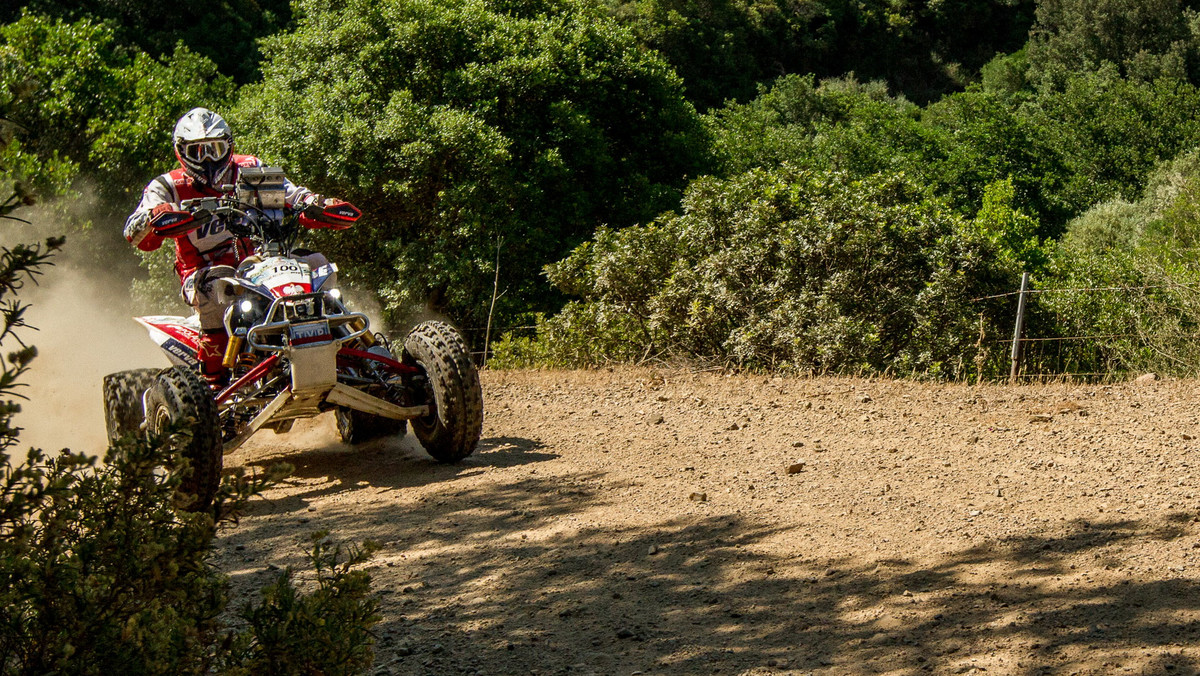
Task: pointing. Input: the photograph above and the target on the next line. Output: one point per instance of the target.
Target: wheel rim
(160, 420)
(429, 421)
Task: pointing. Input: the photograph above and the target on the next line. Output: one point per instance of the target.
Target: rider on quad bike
(204, 147)
(271, 321)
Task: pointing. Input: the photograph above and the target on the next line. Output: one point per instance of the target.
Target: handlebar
(221, 205)
(242, 216)
(245, 219)
(232, 206)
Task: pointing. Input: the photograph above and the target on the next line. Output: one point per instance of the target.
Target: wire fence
(1033, 357)
(1048, 359)
(1032, 292)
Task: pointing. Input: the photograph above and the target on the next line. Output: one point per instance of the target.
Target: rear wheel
(123, 412)
(179, 397)
(452, 428)
(356, 427)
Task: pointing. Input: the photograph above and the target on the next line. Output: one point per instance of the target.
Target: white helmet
(204, 146)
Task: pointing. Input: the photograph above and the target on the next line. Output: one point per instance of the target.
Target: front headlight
(246, 306)
(336, 293)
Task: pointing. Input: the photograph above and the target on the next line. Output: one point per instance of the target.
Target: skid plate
(288, 405)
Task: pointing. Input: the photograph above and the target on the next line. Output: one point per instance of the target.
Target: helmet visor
(207, 149)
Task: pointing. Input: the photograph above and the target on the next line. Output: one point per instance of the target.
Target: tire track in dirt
(615, 522)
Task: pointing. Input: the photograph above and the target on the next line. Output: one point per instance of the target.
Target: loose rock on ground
(955, 529)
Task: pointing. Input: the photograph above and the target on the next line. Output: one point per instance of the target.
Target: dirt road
(674, 523)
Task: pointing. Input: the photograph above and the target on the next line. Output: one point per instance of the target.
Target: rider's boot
(210, 352)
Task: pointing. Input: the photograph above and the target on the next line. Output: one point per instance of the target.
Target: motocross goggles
(206, 149)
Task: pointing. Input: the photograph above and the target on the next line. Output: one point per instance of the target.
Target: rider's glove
(328, 212)
(201, 280)
(169, 220)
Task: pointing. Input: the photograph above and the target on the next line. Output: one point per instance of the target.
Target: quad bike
(294, 352)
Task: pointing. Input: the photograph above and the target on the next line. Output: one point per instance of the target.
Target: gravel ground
(667, 522)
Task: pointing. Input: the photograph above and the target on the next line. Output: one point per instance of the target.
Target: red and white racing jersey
(210, 244)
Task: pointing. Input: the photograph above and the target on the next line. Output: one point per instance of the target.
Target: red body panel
(177, 336)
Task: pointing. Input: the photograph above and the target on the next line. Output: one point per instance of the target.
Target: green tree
(455, 123)
(223, 31)
(103, 107)
(983, 138)
(958, 146)
(1145, 39)
(1111, 131)
(841, 124)
(724, 48)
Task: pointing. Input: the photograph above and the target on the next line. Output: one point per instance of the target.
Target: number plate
(309, 333)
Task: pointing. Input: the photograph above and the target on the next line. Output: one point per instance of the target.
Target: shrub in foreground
(101, 574)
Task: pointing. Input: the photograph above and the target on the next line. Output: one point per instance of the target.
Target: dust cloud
(84, 330)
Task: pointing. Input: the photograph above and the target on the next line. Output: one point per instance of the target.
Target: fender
(177, 336)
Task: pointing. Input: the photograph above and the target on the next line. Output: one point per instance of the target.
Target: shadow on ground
(508, 578)
(332, 467)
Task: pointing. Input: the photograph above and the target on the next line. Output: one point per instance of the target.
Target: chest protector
(212, 243)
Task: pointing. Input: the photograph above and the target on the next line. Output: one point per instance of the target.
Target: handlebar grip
(333, 213)
(171, 223)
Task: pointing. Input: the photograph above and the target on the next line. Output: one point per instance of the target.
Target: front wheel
(180, 399)
(452, 428)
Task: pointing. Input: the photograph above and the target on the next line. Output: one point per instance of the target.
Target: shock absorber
(367, 339)
(234, 348)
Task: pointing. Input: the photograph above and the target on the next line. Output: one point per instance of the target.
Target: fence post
(487, 336)
(1016, 344)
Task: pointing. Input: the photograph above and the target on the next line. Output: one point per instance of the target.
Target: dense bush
(1140, 264)
(1139, 312)
(454, 123)
(787, 269)
(100, 574)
